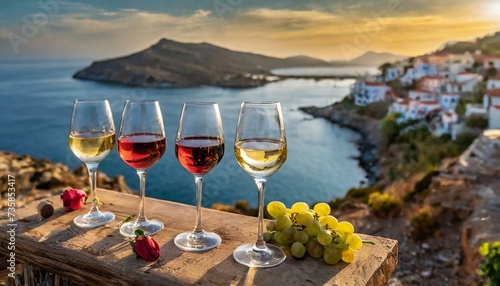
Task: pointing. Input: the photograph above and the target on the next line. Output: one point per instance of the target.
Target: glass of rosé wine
(91, 139)
(199, 147)
(141, 143)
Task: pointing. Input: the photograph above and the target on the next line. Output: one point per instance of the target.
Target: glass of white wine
(260, 149)
(92, 138)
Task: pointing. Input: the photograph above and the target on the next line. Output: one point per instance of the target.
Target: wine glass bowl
(91, 139)
(199, 147)
(260, 149)
(141, 144)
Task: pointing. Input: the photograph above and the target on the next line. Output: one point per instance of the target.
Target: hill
(489, 45)
(371, 58)
(171, 63)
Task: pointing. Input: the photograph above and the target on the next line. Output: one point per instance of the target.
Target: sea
(36, 103)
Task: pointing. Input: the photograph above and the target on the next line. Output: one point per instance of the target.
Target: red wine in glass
(141, 150)
(199, 154)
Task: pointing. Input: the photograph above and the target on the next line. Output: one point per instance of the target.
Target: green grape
(322, 209)
(276, 209)
(288, 235)
(298, 249)
(348, 255)
(301, 236)
(346, 227)
(324, 237)
(340, 242)
(354, 241)
(271, 226)
(313, 227)
(267, 236)
(314, 248)
(283, 222)
(329, 222)
(299, 207)
(303, 217)
(289, 213)
(332, 255)
(278, 237)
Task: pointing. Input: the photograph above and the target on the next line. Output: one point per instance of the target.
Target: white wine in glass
(260, 149)
(91, 139)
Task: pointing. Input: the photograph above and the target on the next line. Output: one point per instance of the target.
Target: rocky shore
(371, 143)
(40, 178)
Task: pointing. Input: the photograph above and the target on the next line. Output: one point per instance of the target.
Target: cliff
(172, 64)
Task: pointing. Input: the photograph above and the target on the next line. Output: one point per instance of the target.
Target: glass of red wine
(199, 147)
(141, 143)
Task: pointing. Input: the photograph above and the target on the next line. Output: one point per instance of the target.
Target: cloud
(326, 30)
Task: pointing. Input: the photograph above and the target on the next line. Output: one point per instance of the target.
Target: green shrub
(476, 121)
(422, 186)
(490, 268)
(424, 224)
(464, 140)
(383, 204)
(359, 194)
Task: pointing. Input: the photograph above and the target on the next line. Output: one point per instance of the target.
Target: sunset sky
(339, 29)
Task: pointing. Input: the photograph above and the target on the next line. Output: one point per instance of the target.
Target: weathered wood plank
(102, 254)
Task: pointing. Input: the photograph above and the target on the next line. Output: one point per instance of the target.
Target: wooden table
(101, 256)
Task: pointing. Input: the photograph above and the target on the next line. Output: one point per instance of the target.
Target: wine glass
(260, 150)
(91, 139)
(141, 143)
(199, 147)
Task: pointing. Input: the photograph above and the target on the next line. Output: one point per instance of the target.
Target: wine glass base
(149, 227)
(90, 220)
(195, 242)
(268, 257)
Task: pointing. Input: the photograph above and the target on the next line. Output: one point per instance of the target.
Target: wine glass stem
(261, 188)
(92, 168)
(142, 194)
(198, 180)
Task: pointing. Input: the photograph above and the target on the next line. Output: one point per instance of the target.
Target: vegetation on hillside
(489, 45)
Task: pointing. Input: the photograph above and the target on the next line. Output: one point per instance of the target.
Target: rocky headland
(371, 142)
(173, 64)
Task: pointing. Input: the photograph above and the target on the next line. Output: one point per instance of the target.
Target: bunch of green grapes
(313, 231)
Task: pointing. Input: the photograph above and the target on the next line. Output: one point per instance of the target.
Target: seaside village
(441, 90)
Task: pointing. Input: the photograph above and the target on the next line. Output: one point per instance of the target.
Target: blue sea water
(37, 98)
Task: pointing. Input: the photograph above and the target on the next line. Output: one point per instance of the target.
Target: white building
(446, 122)
(449, 101)
(494, 117)
(493, 82)
(421, 95)
(391, 74)
(431, 83)
(491, 102)
(366, 92)
(463, 82)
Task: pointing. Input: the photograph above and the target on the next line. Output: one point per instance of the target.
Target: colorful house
(431, 83)
(463, 82)
(366, 92)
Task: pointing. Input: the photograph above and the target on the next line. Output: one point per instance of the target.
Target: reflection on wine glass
(199, 147)
(141, 143)
(91, 139)
(260, 149)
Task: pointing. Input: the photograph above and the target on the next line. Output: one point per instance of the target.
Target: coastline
(371, 141)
